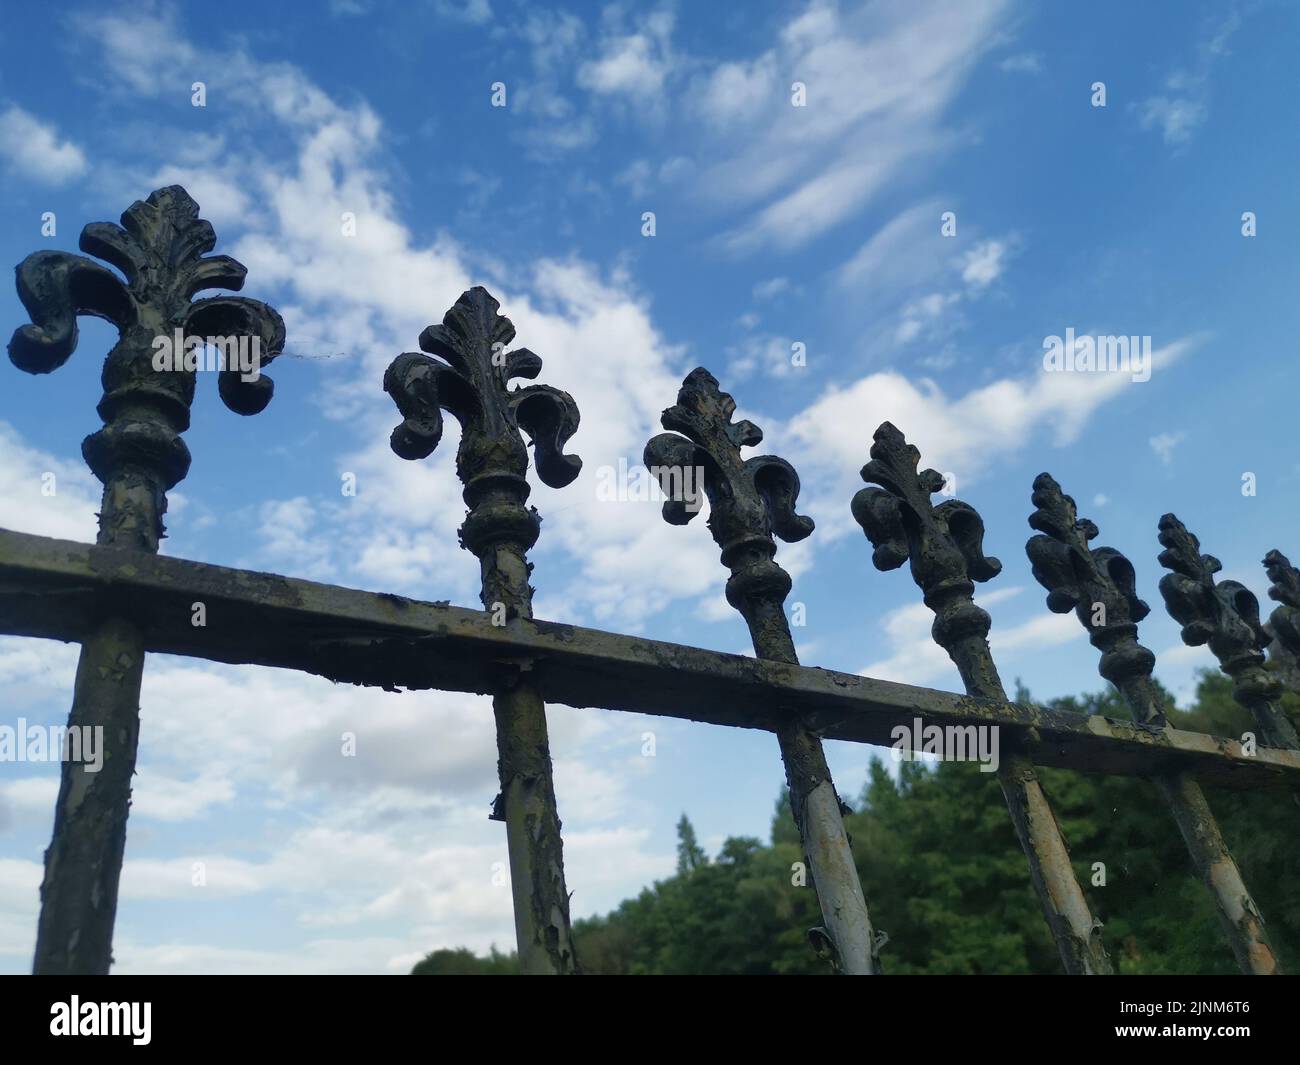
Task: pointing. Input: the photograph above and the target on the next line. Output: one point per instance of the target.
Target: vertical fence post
(750, 499)
(1098, 584)
(946, 550)
(160, 248)
(473, 385)
(1224, 615)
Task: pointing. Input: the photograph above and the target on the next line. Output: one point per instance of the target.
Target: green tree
(462, 962)
(689, 855)
(946, 880)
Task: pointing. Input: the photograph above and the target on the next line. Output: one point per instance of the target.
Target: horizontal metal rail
(59, 589)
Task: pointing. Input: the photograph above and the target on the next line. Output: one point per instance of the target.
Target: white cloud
(770, 289)
(984, 263)
(33, 149)
(909, 269)
(633, 64)
(831, 439)
(737, 91)
(1177, 117)
(900, 254)
(475, 12)
(1183, 104)
(1163, 445)
(1022, 63)
(45, 495)
(879, 81)
(755, 353)
(915, 658)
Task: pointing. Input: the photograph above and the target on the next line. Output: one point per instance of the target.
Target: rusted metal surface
(59, 589)
(1099, 585)
(749, 500)
(470, 379)
(945, 545)
(161, 249)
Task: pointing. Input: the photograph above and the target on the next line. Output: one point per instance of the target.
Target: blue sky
(774, 225)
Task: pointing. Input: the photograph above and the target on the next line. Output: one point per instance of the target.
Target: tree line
(946, 880)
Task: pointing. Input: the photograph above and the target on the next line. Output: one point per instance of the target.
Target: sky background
(775, 225)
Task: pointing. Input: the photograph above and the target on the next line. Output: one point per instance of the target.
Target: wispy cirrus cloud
(879, 80)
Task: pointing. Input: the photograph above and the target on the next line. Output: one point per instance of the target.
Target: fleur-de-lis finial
(161, 248)
(470, 379)
(1284, 589)
(1225, 616)
(945, 545)
(750, 500)
(473, 384)
(1100, 586)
